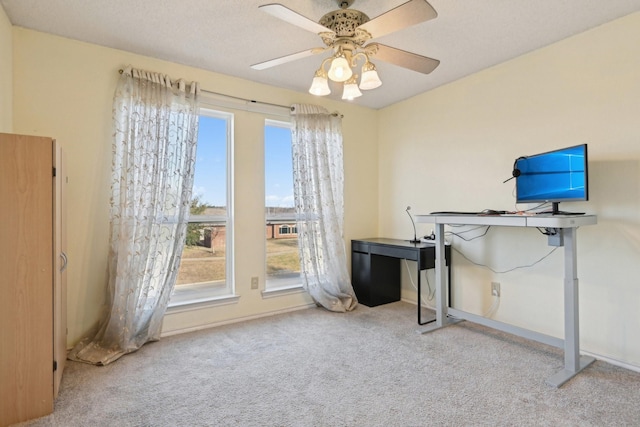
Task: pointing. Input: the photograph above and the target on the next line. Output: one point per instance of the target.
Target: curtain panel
(155, 132)
(318, 177)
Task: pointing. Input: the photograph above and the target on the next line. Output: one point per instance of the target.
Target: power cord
(468, 239)
(430, 293)
(496, 300)
(509, 270)
(545, 231)
(494, 307)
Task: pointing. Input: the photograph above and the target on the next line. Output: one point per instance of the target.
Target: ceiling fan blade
(288, 15)
(402, 58)
(288, 58)
(407, 14)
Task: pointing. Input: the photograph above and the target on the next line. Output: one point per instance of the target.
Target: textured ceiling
(227, 36)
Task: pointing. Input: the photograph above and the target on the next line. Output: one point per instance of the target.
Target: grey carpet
(365, 368)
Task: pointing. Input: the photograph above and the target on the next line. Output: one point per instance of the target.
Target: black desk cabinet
(376, 267)
(376, 282)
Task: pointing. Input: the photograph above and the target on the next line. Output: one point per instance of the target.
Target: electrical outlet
(495, 289)
(254, 282)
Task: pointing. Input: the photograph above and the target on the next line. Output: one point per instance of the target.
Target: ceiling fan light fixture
(320, 84)
(340, 70)
(370, 79)
(351, 91)
(346, 33)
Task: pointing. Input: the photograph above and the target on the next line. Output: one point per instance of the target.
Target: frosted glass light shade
(351, 90)
(340, 70)
(319, 86)
(370, 79)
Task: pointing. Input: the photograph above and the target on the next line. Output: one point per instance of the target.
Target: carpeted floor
(365, 368)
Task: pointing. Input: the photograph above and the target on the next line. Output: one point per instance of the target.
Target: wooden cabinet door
(26, 271)
(60, 262)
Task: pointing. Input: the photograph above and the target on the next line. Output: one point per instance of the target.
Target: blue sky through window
(210, 180)
(278, 167)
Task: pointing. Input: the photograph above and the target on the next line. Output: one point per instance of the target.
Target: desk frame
(422, 253)
(567, 227)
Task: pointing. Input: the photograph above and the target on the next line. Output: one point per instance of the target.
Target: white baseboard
(611, 361)
(235, 320)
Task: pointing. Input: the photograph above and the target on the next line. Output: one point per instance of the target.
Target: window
(282, 260)
(288, 229)
(206, 272)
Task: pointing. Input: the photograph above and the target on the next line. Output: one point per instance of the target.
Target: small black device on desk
(376, 268)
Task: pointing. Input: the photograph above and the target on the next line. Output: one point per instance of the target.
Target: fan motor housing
(344, 22)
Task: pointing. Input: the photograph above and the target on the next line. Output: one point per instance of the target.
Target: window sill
(194, 304)
(283, 290)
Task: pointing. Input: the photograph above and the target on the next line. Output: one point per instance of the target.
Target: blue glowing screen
(556, 176)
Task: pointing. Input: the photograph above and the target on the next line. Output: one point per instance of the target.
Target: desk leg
(441, 283)
(441, 290)
(420, 322)
(449, 301)
(573, 362)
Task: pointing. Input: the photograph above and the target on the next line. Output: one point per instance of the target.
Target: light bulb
(340, 70)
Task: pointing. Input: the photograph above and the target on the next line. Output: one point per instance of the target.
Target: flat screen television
(555, 176)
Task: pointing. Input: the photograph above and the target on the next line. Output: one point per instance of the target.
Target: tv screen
(556, 176)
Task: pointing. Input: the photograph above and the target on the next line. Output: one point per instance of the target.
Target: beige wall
(452, 148)
(6, 73)
(64, 89)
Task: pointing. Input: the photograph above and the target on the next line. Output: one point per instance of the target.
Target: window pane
(203, 269)
(210, 180)
(283, 262)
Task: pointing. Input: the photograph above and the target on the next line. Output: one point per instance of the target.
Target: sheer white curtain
(318, 178)
(154, 146)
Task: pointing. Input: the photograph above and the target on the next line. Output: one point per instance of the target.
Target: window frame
(226, 294)
(271, 291)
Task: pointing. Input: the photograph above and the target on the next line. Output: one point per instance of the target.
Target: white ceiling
(227, 36)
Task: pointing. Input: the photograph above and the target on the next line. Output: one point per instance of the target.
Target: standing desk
(376, 272)
(565, 227)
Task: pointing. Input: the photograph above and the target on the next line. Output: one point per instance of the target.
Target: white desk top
(511, 220)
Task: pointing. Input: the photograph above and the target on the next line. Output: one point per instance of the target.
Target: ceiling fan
(345, 32)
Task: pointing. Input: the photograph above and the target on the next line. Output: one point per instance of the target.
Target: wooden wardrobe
(33, 324)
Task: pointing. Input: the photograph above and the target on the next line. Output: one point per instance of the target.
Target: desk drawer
(394, 252)
(360, 247)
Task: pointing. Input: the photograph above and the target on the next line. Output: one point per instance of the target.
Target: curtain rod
(253, 101)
